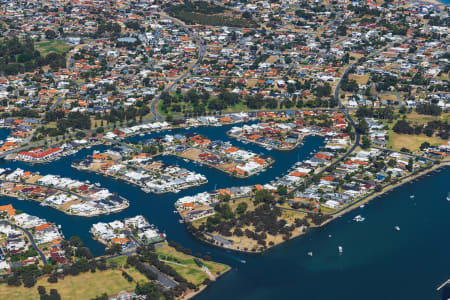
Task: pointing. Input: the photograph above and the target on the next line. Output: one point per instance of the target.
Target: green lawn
(57, 46)
(185, 265)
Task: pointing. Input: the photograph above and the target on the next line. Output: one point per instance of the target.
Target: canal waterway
(377, 262)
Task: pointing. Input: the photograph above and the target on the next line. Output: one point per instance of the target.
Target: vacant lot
(57, 46)
(412, 142)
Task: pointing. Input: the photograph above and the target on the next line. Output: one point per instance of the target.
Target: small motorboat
(310, 253)
(358, 218)
(340, 249)
(412, 196)
(397, 228)
(448, 196)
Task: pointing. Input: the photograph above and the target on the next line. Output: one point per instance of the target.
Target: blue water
(378, 262)
(4, 133)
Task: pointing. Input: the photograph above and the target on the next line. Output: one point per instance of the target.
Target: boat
(186, 160)
(397, 228)
(141, 134)
(340, 249)
(448, 196)
(358, 218)
(243, 261)
(412, 196)
(362, 206)
(180, 221)
(310, 253)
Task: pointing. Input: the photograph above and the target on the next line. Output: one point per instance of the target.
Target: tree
(115, 248)
(365, 142)
(424, 146)
(410, 165)
(100, 130)
(378, 188)
(41, 290)
(76, 241)
(50, 34)
(241, 208)
(264, 196)
(428, 109)
(103, 296)
(281, 190)
(403, 126)
(363, 127)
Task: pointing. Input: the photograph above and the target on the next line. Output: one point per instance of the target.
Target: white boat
(412, 196)
(362, 206)
(186, 160)
(141, 134)
(448, 196)
(397, 228)
(180, 221)
(358, 218)
(340, 249)
(310, 253)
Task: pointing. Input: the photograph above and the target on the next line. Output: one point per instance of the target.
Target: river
(377, 262)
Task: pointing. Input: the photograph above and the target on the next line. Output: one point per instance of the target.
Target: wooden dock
(442, 285)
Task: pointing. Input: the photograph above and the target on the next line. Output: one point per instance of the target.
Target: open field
(412, 142)
(360, 79)
(84, 286)
(57, 46)
(185, 265)
(422, 119)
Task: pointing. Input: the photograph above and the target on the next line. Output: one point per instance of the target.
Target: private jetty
(65, 194)
(218, 154)
(140, 169)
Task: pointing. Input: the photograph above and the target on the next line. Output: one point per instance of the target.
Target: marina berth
(62, 193)
(216, 154)
(142, 170)
(129, 233)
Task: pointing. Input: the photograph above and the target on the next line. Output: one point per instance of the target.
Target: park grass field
(84, 286)
(57, 46)
(185, 265)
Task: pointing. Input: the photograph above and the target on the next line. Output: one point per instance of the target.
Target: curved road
(30, 237)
